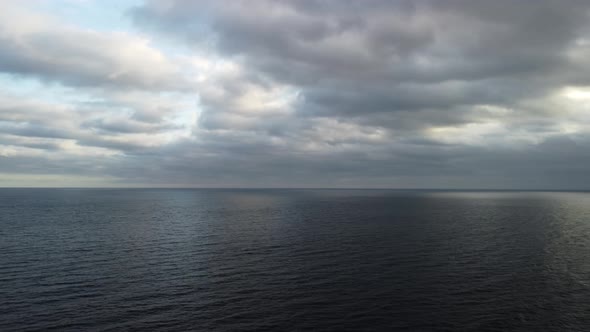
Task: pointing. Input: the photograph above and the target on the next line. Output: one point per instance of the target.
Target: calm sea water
(293, 260)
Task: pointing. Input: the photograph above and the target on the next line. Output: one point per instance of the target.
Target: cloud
(38, 45)
(350, 59)
(459, 94)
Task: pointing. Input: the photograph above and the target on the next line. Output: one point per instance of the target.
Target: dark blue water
(293, 260)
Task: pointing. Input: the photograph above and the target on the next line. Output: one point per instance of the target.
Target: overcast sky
(295, 93)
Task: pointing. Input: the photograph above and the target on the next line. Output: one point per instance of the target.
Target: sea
(293, 260)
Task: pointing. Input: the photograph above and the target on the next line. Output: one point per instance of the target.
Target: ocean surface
(293, 260)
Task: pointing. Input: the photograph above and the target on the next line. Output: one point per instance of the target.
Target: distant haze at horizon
(392, 189)
(460, 94)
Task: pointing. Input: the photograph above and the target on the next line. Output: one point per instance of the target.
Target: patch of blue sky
(108, 16)
(99, 15)
(35, 89)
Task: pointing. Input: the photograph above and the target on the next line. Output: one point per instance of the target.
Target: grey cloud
(112, 125)
(58, 165)
(401, 67)
(40, 46)
(125, 126)
(383, 56)
(47, 144)
(34, 130)
(374, 93)
(402, 165)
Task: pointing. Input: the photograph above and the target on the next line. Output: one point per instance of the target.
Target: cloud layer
(398, 94)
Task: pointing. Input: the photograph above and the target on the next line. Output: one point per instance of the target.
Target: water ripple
(288, 260)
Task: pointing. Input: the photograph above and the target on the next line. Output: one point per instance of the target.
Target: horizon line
(308, 188)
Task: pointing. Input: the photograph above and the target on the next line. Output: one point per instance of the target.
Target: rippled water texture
(292, 260)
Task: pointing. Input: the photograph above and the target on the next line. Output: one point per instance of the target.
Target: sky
(457, 94)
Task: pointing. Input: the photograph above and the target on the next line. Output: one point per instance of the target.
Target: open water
(293, 260)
